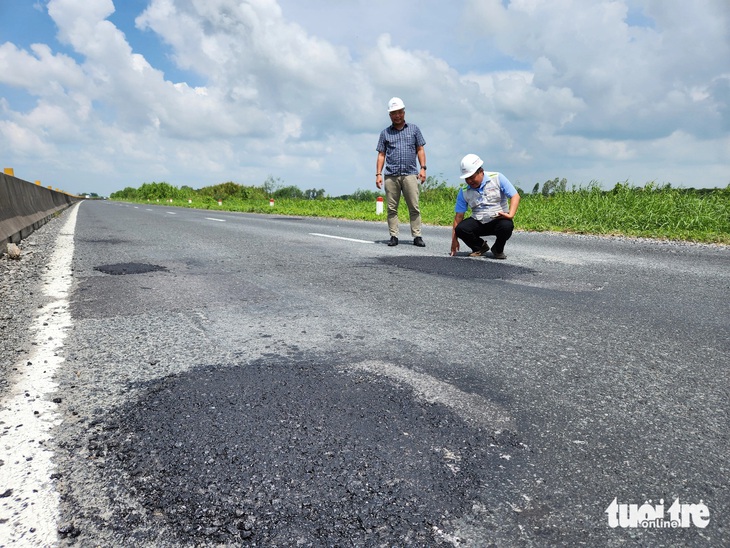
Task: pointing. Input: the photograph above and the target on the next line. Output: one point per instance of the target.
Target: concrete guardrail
(26, 206)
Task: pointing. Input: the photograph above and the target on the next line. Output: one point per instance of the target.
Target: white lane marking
(470, 407)
(171, 213)
(27, 414)
(341, 238)
(214, 219)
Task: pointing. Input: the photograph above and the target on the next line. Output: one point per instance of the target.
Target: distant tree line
(271, 188)
(433, 188)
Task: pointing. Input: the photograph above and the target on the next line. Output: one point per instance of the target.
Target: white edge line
(213, 219)
(341, 238)
(32, 512)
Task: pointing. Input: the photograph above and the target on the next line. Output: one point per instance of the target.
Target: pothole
(129, 268)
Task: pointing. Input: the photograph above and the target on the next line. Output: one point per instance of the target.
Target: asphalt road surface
(202, 378)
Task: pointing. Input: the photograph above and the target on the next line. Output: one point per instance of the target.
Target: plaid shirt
(400, 149)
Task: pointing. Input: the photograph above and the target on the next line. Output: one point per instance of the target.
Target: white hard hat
(396, 103)
(469, 165)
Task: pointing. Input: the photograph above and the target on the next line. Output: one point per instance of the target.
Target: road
(232, 379)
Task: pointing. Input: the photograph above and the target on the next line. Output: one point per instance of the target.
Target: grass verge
(696, 215)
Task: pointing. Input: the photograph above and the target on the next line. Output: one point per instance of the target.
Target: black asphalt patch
(465, 268)
(287, 453)
(129, 268)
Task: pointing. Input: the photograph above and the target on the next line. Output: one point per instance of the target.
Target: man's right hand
(454, 246)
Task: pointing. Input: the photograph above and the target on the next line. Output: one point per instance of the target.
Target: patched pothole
(464, 268)
(288, 452)
(129, 268)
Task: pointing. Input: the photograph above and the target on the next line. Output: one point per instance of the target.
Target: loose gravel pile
(21, 295)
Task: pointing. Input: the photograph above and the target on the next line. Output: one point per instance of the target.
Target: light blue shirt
(507, 190)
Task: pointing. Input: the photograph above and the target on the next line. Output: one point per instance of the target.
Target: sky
(99, 95)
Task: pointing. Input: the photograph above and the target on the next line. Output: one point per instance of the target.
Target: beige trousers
(411, 189)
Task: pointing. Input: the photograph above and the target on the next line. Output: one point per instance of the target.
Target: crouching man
(493, 201)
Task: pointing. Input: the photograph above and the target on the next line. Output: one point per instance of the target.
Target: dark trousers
(472, 231)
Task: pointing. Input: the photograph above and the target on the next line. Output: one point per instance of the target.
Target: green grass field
(653, 212)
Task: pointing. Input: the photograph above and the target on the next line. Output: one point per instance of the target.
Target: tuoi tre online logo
(678, 515)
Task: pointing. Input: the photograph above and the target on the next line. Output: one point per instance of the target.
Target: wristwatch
(424, 167)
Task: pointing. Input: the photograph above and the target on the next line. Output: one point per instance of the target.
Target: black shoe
(481, 251)
(499, 254)
(418, 242)
(393, 241)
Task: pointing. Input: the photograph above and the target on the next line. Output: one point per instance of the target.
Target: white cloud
(22, 141)
(39, 71)
(262, 61)
(607, 90)
(636, 82)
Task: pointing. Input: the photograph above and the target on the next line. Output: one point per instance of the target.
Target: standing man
(493, 201)
(398, 147)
